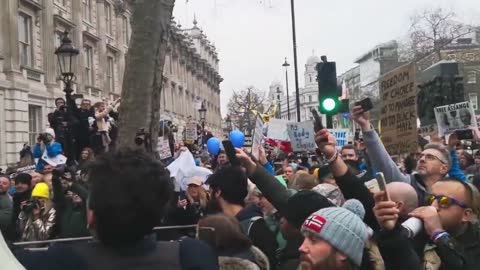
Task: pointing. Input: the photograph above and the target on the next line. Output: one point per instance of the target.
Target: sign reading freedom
(398, 94)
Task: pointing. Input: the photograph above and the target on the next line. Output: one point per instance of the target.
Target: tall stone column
(48, 46)
(9, 30)
(120, 44)
(102, 47)
(77, 38)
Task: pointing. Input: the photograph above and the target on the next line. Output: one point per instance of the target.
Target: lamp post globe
(66, 54)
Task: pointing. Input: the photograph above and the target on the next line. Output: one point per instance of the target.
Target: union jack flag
(315, 223)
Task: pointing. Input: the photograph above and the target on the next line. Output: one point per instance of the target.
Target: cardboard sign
(54, 161)
(455, 117)
(191, 132)
(163, 148)
(399, 110)
(341, 135)
(302, 136)
(257, 136)
(277, 129)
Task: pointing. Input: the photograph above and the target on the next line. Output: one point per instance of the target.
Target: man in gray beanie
(334, 240)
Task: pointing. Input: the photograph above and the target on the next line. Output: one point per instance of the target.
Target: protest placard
(277, 129)
(399, 110)
(191, 132)
(453, 117)
(302, 136)
(163, 148)
(341, 135)
(257, 136)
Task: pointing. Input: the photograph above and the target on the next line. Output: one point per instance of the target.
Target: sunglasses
(431, 157)
(445, 201)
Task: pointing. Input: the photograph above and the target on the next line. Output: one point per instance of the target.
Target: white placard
(302, 136)
(54, 161)
(277, 129)
(163, 148)
(257, 137)
(455, 117)
(191, 132)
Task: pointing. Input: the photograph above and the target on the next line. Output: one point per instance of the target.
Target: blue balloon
(213, 146)
(237, 138)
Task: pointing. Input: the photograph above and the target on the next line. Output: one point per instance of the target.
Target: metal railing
(63, 240)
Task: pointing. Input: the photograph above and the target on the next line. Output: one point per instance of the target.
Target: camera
(30, 205)
(45, 138)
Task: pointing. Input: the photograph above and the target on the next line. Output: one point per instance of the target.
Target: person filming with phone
(450, 222)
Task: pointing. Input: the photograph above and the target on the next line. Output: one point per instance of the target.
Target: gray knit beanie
(341, 228)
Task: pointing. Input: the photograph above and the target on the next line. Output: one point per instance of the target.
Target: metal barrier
(63, 240)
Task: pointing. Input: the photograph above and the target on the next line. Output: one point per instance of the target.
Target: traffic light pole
(329, 121)
(295, 65)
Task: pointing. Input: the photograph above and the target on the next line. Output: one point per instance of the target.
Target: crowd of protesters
(279, 211)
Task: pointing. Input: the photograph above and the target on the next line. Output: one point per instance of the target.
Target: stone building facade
(30, 30)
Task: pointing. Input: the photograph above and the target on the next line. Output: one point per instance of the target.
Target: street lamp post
(66, 54)
(203, 115)
(295, 62)
(229, 124)
(286, 65)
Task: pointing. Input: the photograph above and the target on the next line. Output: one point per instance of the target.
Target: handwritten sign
(399, 110)
(191, 132)
(455, 117)
(163, 148)
(341, 135)
(257, 136)
(302, 136)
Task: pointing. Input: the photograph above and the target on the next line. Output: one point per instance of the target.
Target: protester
(101, 139)
(465, 159)
(46, 144)
(294, 209)
(235, 251)
(451, 222)
(475, 167)
(84, 128)
(334, 239)
(70, 204)
(192, 204)
(87, 155)
(23, 191)
(6, 204)
(63, 122)
(289, 173)
(36, 178)
(303, 181)
(436, 161)
(129, 190)
(228, 189)
(222, 160)
(38, 216)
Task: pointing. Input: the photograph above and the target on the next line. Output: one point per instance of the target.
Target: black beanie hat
(23, 178)
(301, 205)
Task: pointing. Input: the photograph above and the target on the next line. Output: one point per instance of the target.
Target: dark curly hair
(129, 191)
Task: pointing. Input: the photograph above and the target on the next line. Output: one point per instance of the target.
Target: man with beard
(228, 189)
(350, 156)
(70, 202)
(334, 240)
(62, 122)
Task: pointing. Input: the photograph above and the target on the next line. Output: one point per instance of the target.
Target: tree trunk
(142, 82)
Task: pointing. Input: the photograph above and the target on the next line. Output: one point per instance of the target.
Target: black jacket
(461, 252)
(258, 232)
(186, 255)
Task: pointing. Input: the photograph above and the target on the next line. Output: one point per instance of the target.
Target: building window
(108, 18)
(309, 98)
(25, 40)
(473, 100)
(125, 32)
(87, 10)
(57, 41)
(110, 74)
(472, 77)
(89, 65)
(34, 123)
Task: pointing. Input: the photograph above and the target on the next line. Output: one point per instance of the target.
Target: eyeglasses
(431, 157)
(445, 201)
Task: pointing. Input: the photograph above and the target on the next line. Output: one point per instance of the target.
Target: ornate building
(30, 30)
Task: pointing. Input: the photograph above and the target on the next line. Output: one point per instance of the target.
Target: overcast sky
(254, 36)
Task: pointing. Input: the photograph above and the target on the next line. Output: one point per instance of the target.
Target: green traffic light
(329, 104)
